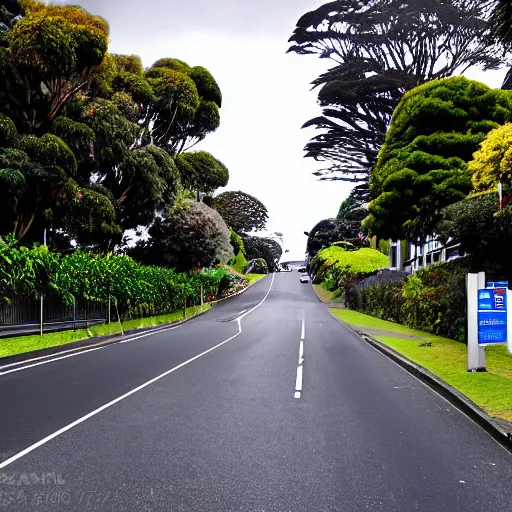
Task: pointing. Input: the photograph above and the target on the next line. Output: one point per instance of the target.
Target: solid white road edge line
(83, 352)
(40, 443)
(303, 333)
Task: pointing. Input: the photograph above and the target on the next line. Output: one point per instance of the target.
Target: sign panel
(497, 284)
(492, 315)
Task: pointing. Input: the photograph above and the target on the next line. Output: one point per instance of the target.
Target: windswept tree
(242, 212)
(380, 50)
(423, 165)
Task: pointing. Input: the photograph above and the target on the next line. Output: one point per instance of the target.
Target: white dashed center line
(298, 381)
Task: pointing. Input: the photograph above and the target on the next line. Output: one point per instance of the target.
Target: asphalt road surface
(266, 403)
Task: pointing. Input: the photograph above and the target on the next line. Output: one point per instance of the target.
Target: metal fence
(25, 315)
(384, 276)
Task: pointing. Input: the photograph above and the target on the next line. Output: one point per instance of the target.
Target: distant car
(301, 269)
(304, 278)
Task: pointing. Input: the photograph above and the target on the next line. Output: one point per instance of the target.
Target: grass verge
(447, 358)
(252, 278)
(23, 344)
(324, 295)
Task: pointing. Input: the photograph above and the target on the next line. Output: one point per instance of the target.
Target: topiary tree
(422, 167)
(242, 212)
(191, 237)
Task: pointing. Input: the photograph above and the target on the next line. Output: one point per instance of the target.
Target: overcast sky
(266, 94)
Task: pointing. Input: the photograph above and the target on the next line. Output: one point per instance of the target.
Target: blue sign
(497, 284)
(492, 315)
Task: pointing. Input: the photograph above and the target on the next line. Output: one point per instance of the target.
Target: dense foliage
(380, 50)
(190, 237)
(242, 212)
(323, 235)
(422, 166)
(88, 139)
(482, 230)
(263, 248)
(133, 287)
(336, 267)
(201, 172)
(492, 163)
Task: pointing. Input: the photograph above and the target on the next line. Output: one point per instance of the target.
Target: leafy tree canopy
(241, 211)
(422, 166)
(186, 106)
(201, 171)
(59, 47)
(492, 163)
(380, 50)
(263, 248)
(323, 235)
(482, 230)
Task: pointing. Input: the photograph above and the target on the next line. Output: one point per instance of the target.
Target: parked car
(304, 278)
(301, 269)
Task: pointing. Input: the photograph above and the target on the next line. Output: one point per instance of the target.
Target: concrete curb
(455, 397)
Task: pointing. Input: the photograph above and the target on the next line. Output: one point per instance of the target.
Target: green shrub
(433, 300)
(337, 268)
(348, 246)
(134, 287)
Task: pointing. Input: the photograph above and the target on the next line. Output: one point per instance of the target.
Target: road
(207, 417)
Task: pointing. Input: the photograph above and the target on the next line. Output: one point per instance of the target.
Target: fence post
(74, 313)
(202, 296)
(108, 315)
(41, 320)
(185, 308)
(118, 317)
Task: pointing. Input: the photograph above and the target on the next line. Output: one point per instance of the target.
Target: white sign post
(509, 320)
(476, 352)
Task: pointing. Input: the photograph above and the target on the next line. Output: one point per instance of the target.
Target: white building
(412, 257)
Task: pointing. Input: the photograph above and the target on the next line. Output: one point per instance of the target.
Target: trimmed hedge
(336, 268)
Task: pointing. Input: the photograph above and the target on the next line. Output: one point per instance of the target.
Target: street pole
(476, 352)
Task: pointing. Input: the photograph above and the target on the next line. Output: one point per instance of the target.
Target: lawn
(22, 344)
(447, 358)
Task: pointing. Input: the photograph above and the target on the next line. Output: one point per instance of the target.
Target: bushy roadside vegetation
(337, 267)
(433, 300)
(137, 290)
